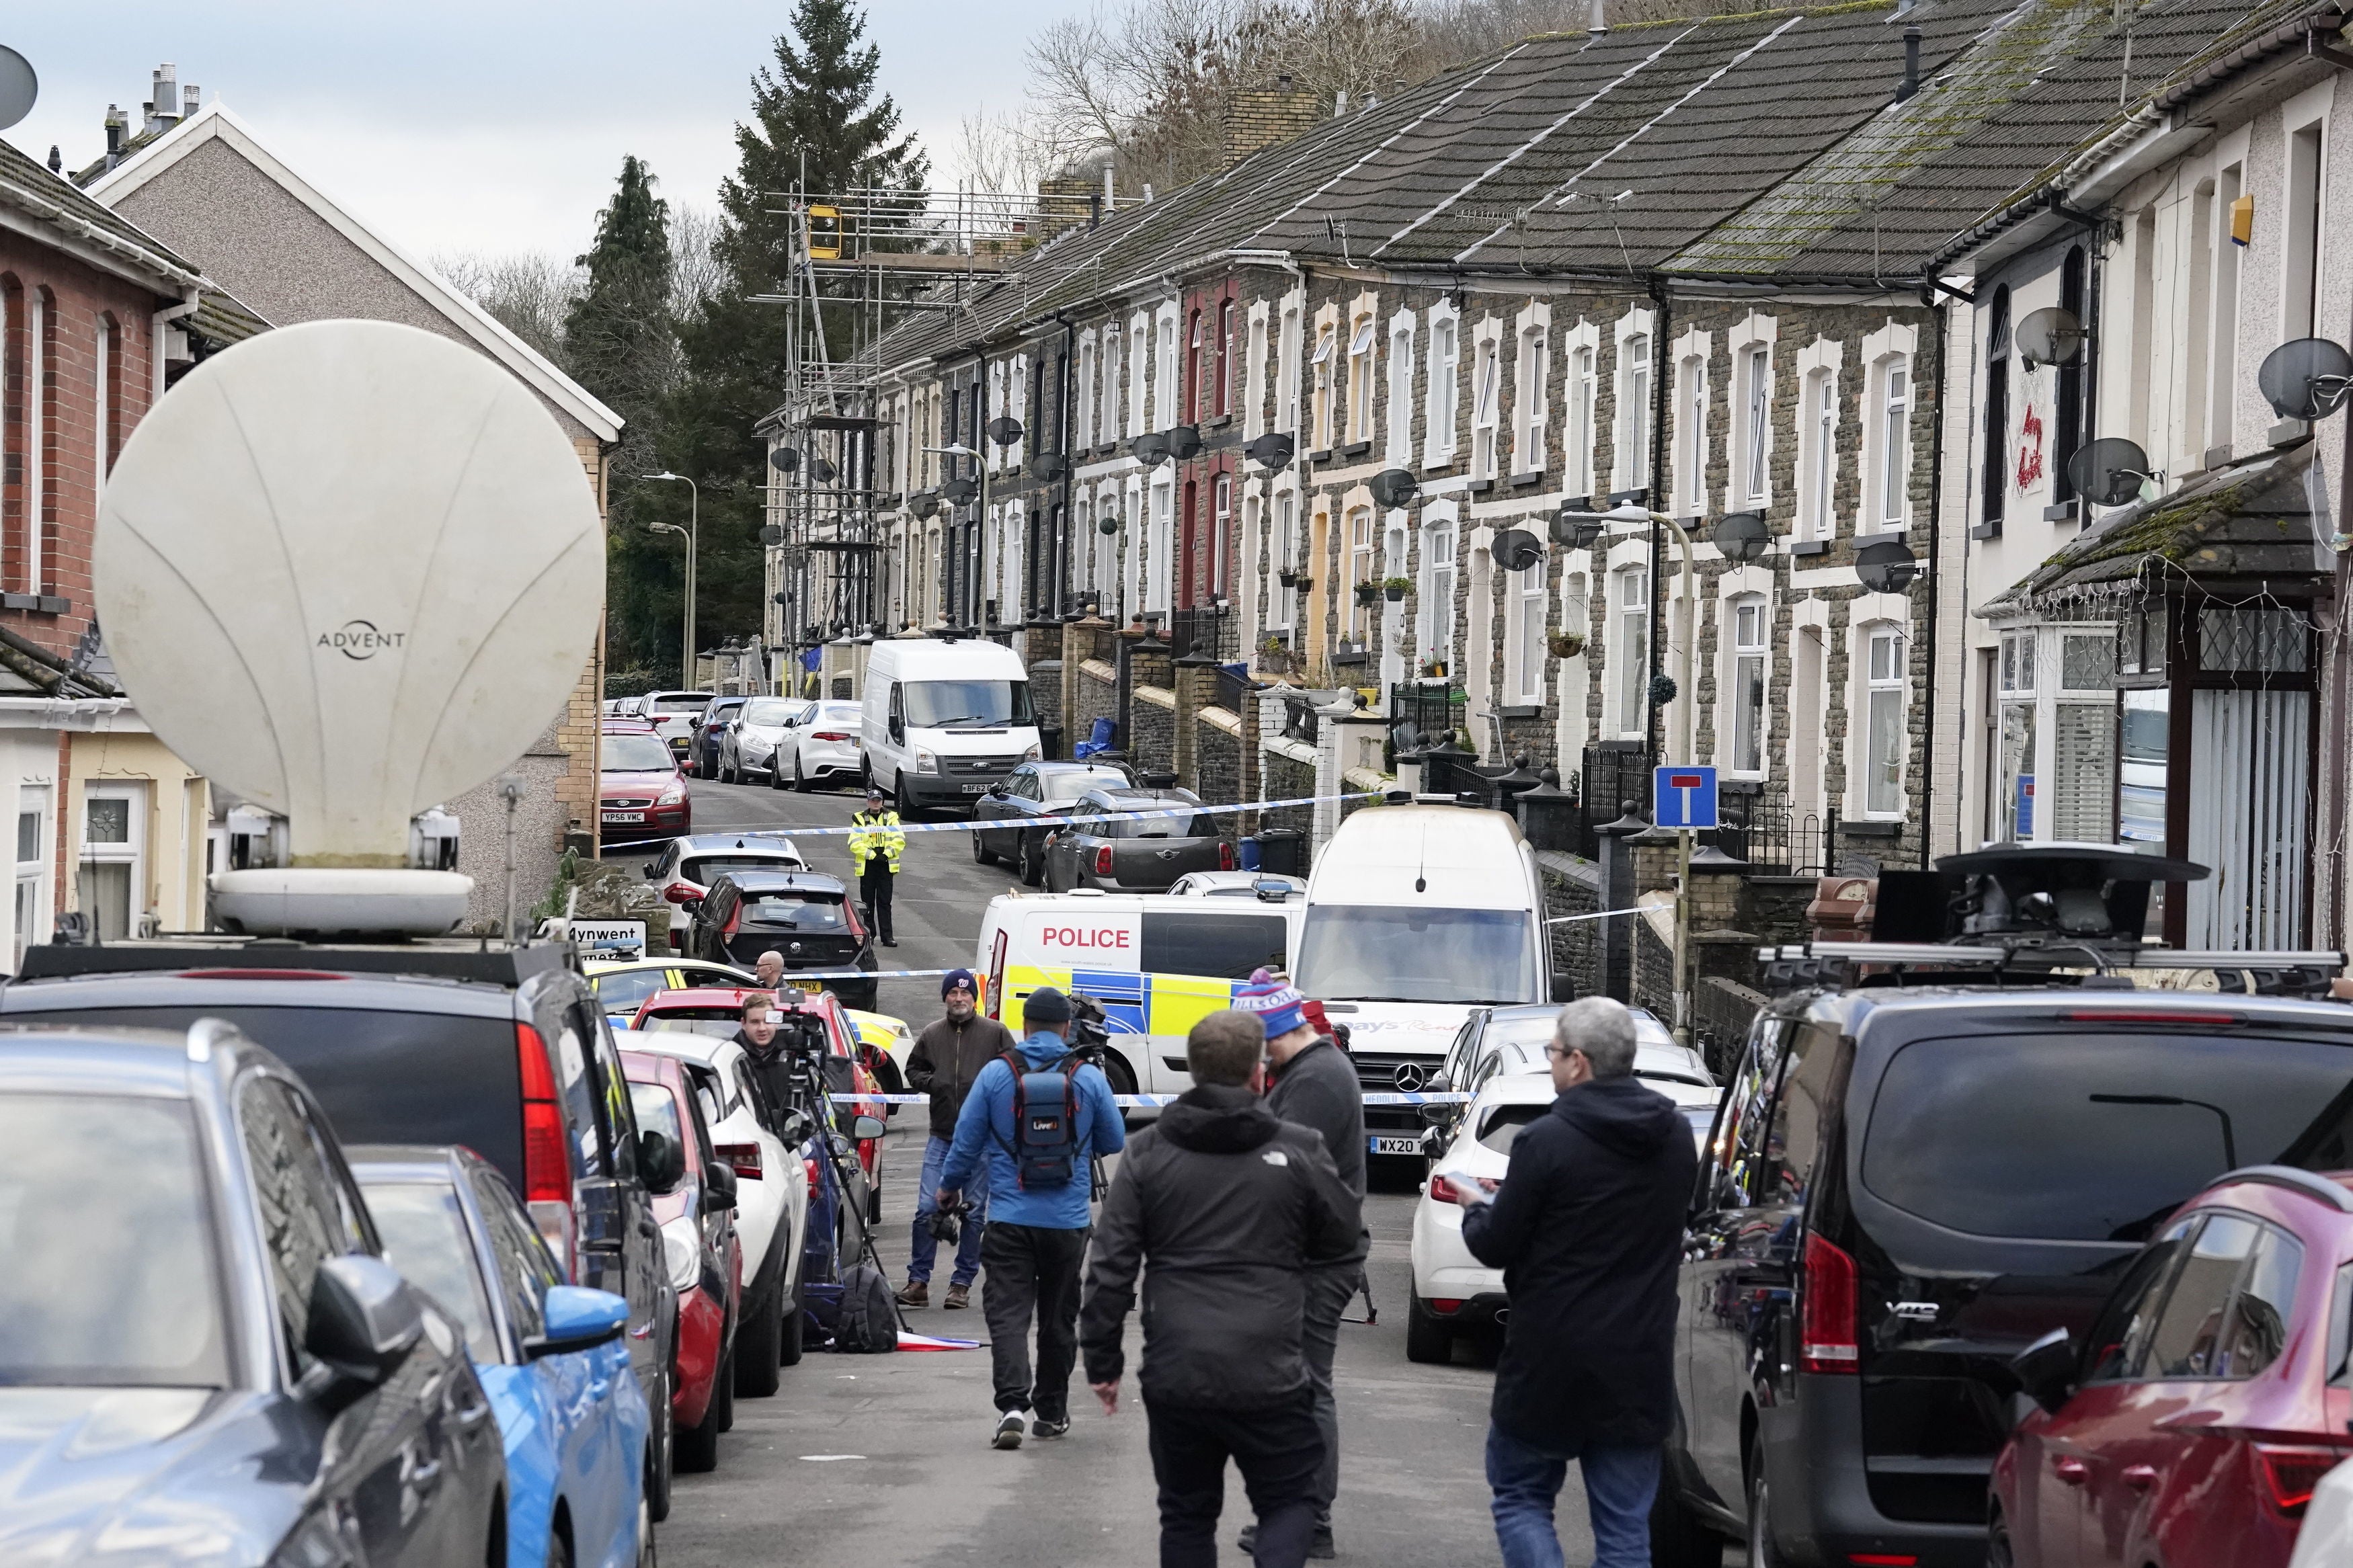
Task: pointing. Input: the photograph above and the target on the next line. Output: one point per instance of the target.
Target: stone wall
(1220, 770)
(1572, 886)
(1152, 728)
(1098, 698)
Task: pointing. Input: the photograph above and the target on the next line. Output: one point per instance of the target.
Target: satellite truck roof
(348, 570)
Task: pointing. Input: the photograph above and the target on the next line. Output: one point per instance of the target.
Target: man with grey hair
(1587, 1229)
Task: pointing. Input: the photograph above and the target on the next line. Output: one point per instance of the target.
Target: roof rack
(1837, 965)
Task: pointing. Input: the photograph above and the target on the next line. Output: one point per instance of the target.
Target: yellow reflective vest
(878, 833)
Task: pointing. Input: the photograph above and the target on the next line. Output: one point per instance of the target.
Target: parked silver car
(1141, 855)
(749, 749)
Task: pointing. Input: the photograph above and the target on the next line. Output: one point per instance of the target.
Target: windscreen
(795, 912)
(692, 702)
(2092, 1135)
(840, 716)
(1500, 1127)
(1154, 827)
(637, 754)
(719, 1026)
(769, 712)
(706, 869)
(111, 1280)
(965, 704)
(1370, 953)
(1063, 788)
(383, 1077)
(425, 1236)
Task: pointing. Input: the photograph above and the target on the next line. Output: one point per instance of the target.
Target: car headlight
(682, 1251)
(672, 795)
(926, 763)
(1033, 755)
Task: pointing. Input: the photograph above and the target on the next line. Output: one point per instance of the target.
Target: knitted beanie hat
(1276, 1004)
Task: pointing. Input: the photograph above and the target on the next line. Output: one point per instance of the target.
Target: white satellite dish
(348, 570)
(19, 86)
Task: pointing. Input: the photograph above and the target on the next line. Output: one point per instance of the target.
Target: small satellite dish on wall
(2306, 378)
(1394, 487)
(2049, 336)
(347, 570)
(19, 86)
(2109, 471)
(1516, 549)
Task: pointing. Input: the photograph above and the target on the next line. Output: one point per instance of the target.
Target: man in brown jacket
(945, 1059)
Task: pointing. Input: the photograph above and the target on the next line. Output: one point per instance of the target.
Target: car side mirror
(1438, 1115)
(577, 1318)
(2046, 1369)
(364, 1319)
(661, 1161)
(691, 906)
(861, 1128)
(719, 1185)
(1564, 986)
(648, 870)
(796, 1129)
(997, 791)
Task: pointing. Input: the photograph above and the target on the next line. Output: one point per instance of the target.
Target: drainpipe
(1657, 492)
(1062, 587)
(1936, 590)
(158, 332)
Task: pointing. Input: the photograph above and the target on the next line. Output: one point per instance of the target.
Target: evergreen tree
(817, 121)
(622, 345)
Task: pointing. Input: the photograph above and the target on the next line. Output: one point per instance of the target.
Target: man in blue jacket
(1040, 1180)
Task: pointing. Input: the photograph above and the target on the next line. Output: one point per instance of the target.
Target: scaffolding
(864, 259)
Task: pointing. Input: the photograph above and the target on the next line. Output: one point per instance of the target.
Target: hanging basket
(1566, 645)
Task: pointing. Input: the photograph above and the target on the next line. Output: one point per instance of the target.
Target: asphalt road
(885, 1460)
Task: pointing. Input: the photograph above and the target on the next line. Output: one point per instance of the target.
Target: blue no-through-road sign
(1683, 797)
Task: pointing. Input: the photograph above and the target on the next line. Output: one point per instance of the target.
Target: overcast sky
(493, 125)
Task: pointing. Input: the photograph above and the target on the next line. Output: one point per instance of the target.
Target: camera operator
(757, 1034)
(944, 1060)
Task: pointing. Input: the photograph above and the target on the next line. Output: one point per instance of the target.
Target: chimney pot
(1598, 19)
(57, 160)
(1282, 82)
(188, 96)
(1911, 84)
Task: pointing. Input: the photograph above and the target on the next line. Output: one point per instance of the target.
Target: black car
(503, 1051)
(203, 1357)
(808, 920)
(1035, 789)
(1906, 1184)
(1134, 855)
(705, 731)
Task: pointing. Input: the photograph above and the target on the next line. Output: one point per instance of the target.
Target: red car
(695, 1203)
(2192, 1426)
(719, 1011)
(641, 793)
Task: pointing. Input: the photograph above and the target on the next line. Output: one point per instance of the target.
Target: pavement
(885, 1460)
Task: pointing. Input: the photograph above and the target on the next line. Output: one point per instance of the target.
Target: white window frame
(1633, 391)
(1114, 344)
(1689, 446)
(1358, 543)
(1441, 567)
(1283, 550)
(1629, 639)
(1749, 476)
(1364, 352)
(1531, 385)
(1531, 598)
(1882, 676)
(1486, 397)
(37, 443)
(1580, 355)
(132, 852)
(1441, 398)
(1887, 353)
(1221, 530)
(1254, 372)
(1160, 544)
(103, 405)
(1817, 448)
(1085, 391)
(1168, 354)
(1400, 450)
(1139, 365)
(30, 910)
(1746, 629)
(1291, 349)
(1322, 368)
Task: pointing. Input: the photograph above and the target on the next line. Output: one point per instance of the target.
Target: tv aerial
(348, 570)
(2110, 471)
(2306, 378)
(19, 86)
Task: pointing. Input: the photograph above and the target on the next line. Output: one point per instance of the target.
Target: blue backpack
(1045, 1147)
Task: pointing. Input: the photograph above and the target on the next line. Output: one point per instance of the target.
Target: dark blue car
(203, 1357)
(579, 1439)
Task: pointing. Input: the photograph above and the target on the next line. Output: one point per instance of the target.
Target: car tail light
(546, 1162)
(1828, 1341)
(857, 926)
(1445, 1192)
(1225, 856)
(829, 735)
(743, 1157)
(1446, 1306)
(2291, 1470)
(1884, 1559)
(1102, 861)
(810, 1165)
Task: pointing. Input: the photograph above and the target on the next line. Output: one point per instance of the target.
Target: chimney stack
(165, 113)
(57, 160)
(1598, 19)
(116, 123)
(188, 96)
(1911, 64)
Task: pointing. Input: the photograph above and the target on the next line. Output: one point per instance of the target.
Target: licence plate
(625, 816)
(1383, 1143)
(975, 789)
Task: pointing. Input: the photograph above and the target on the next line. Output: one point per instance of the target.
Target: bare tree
(696, 273)
(528, 292)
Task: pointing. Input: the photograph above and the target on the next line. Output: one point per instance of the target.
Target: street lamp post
(691, 532)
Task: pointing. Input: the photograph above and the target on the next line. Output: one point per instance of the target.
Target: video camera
(946, 1222)
(1089, 1029)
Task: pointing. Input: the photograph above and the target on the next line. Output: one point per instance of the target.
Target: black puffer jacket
(1228, 1207)
(1587, 1229)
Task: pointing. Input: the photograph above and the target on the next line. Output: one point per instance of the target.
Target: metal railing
(1206, 631)
(1775, 838)
(1435, 709)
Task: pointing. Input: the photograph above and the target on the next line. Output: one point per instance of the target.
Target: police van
(1157, 963)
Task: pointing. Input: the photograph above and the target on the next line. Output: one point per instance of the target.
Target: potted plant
(1435, 668)
(1367, 592)
(1305, 584)
(1288, 576)
(1566, 645)
(1396, 588)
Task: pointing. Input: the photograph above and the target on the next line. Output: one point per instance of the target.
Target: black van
(1907, 1185)
(503, 1051)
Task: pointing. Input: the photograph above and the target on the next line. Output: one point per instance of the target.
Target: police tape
(1426, 1097)
(1136, 815)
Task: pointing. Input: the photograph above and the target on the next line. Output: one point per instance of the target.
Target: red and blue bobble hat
(1276, 1004)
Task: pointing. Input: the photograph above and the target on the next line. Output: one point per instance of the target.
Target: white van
(1417, 914)
(1157, 963)
(943, 721)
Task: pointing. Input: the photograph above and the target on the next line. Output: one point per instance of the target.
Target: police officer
(874, 849)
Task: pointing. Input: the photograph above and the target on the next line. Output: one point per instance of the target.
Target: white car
(687, 866)
(748, 750)
(1271, 885)
(772, 1192)
(1512, 1039)
(822, 744)
(1453, 1291)
(673, 714)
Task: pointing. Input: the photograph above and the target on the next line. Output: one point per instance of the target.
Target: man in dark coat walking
(1587, 1229)
(947, 1057)
(1226, 1209)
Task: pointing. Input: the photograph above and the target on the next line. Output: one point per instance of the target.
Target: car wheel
(1764, 1552)
(661, 1455)
(1999, 1552)
(1032, 866)
(1428, 1338)
(755, 1349)
(1679, 1538)
(646, 1556)
(800, 773)
(776, 769)
(698, 1446)
(723, 1392)
(980, 855)
(559, 1551)
(789, 1341)
(903, 802)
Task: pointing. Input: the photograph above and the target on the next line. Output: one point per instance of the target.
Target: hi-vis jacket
(878, 833)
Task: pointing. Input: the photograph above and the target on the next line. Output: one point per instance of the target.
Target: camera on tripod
(1090, 1029)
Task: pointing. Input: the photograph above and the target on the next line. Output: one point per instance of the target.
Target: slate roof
(26, 183)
